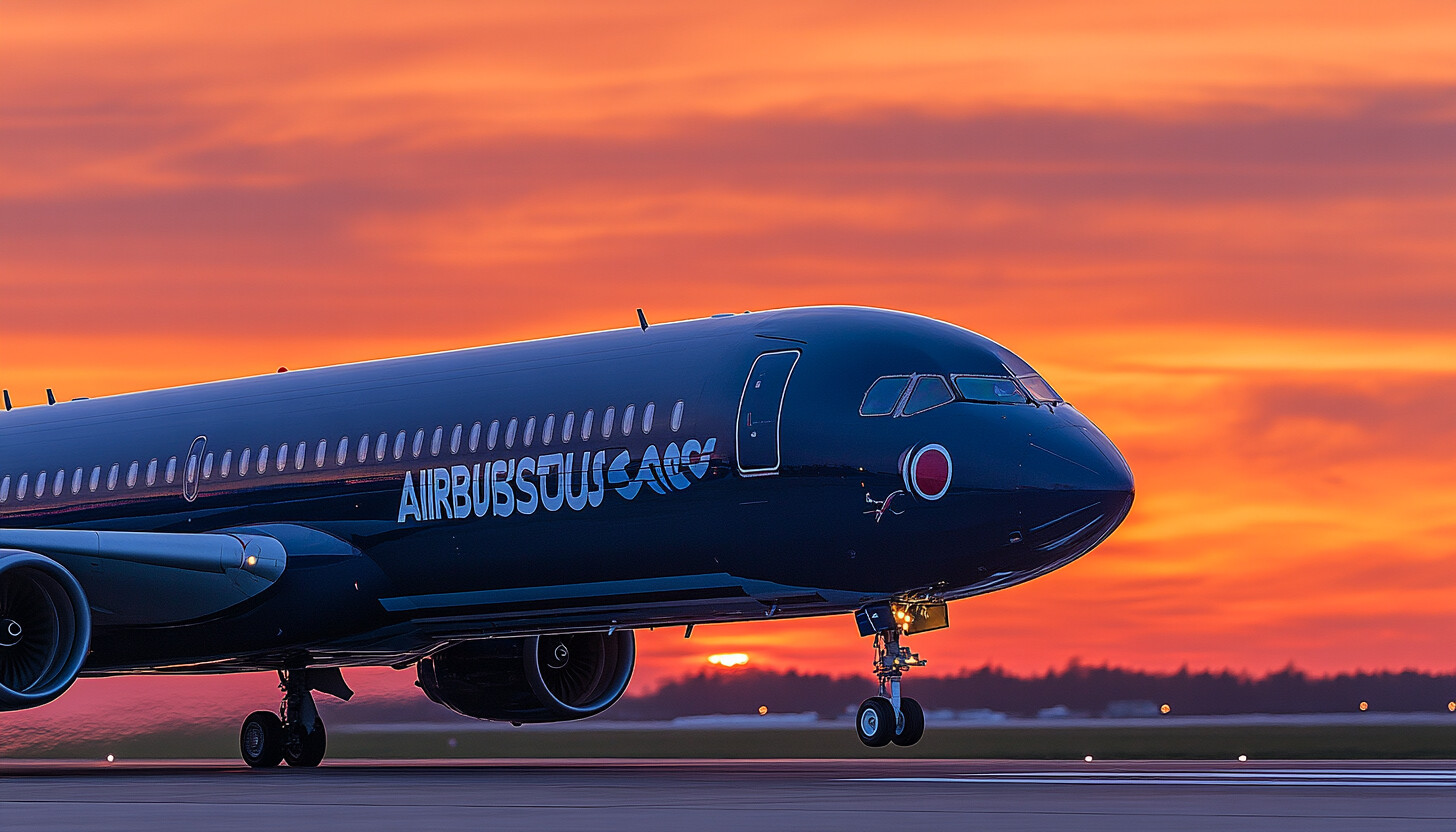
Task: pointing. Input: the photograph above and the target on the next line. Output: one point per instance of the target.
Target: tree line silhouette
(1081, 689)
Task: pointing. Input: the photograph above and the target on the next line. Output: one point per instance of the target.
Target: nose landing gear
(296, 733)
(889, 717)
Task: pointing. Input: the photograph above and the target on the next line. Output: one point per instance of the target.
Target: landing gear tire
(262, 739)
(303, 748)
(875, 722)
(911, 725)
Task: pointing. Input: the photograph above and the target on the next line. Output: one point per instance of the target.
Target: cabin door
(759, 411)
(192, 472)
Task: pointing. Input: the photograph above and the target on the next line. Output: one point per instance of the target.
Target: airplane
(504, 517)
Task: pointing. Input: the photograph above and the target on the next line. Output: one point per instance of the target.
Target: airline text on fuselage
(549, 481)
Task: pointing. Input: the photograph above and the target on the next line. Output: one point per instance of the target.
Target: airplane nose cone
(1075, 488)
(1075, 457)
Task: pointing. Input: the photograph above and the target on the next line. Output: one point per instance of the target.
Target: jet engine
(548, 678)
(45, 629)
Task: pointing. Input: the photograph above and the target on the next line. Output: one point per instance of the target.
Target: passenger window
(226, 467)
(40, 480)
(5, 489)
(883, 395)
(494, 434)
(399, 440)
(989, 390)
(567, 423)
(930, 391)
(342, 455)
(511, 433)
(455, 439)
(647, 417)
(95, 482)
(586, 425)
(362, 455)
(608, 417)
(381, 446)
(475, 437)
(20, 486)
(299, 455)
(263, 460)
(419, 444)
(548, 430)
(530, 431)
(282, 457)
(80, 474)
(206, 471)
(243, 459)
(59, 483)
(677, 414)
(321, 454)
(171, 472)
(436, 441)
(151, 474)
(627, 417)
(115, 473)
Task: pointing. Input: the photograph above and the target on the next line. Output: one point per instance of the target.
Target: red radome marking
(930, 471)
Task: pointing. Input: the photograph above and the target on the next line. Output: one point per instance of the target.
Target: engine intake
(45, 629)
(532, 679)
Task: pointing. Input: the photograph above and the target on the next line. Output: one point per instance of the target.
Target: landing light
(252, 560)
(110, 758)
(1087, 758)
(1243, 758)
(728, 659)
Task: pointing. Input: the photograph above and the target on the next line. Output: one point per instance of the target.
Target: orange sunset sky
(1224, 231)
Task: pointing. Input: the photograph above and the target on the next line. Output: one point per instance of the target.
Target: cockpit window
(1038, 388)
(883, 395)
(991, 390)
(930, 391)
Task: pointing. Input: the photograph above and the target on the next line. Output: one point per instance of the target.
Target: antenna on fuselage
(7, 399)
(50, 395)
(642, 319)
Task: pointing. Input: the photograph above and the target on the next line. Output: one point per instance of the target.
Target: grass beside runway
(1117, 740)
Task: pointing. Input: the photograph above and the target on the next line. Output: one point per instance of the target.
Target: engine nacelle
(532, 679)
(45, 629)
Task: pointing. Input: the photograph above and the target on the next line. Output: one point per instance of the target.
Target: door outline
(192, 468)
(778, 418)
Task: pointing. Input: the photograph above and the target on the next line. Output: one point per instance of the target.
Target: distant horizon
(1074, 664)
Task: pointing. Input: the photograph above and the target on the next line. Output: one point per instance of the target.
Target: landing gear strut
(296, 733)
(890, 717)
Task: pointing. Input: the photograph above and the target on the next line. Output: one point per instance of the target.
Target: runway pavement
(642, 795)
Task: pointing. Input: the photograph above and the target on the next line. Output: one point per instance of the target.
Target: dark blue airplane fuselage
(722, 511)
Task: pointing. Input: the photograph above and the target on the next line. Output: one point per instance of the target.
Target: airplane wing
(142, 578)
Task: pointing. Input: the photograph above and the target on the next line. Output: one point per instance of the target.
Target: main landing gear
(889, 717)
(296, 733)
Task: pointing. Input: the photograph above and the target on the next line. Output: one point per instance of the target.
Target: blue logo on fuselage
(549, 481)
